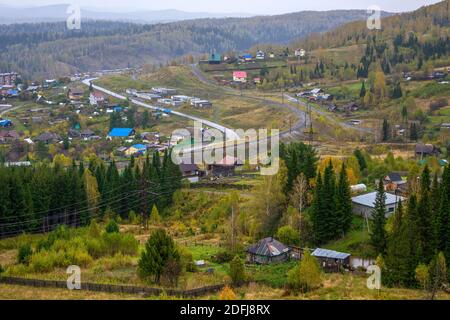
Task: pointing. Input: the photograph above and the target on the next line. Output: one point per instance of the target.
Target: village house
(240, 76)
(445, 126)
(96, 98)
(364, 205)
(8, 78)
(76, 94)
(5, 123)
(48, 137)
(215, 58)
(137, 149)
(299, 52)
(224, 168)
(426, 150)
(201, 104)
(351, 107)
(191, 172)
(247, 57)
(87, 133)
(260, 55)
(393, 181)
(268, 251)
(8, 136)
(121, 133)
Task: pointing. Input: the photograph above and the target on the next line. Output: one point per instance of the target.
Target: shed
(267, 251)
(332, 260)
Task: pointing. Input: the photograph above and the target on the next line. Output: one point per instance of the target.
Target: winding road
(229, 133)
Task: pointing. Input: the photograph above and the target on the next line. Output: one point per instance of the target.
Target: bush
(24, 254)
(222, 257)
(115, 262)
(112, 227)
(94, 230)
(306, 276)
(237, 271)
(227, 294)
(288, 236)
(1, 269)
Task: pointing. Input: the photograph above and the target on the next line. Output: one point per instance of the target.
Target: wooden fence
(198, 292)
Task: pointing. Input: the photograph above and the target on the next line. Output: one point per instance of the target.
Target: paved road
(301, 117)
(229, 133)
(326, 115)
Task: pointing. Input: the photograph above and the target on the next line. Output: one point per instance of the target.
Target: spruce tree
(344, 201)
(425, 221)
(378, 234)
(399, 263)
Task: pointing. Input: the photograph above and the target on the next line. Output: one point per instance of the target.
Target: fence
(112, 288)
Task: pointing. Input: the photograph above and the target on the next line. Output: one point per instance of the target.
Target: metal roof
(268, 247)
(324, 253)
(120, 132)
(368, 199)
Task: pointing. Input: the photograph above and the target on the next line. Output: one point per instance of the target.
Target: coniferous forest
(38, 199)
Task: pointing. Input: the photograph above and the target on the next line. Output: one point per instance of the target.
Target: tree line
(39, 198)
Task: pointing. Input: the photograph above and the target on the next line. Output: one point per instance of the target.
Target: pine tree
(362, 92)
(344, 202)
(425, 222)
(385, 133)
(399, 263)
(378, 234)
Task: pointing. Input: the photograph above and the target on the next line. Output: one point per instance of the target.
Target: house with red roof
(240, 76)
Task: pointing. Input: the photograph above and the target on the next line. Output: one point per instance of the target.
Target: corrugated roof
(120, 132)
(324, 253)
(268, 247)
(368, 199)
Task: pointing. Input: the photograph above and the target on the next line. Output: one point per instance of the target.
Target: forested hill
(433, 20)
(50, 50)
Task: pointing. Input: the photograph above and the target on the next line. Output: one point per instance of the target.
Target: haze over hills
(54, 13)
(50, 50)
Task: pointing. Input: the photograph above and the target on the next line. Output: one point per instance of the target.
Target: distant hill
(55, 13)
(49, 49)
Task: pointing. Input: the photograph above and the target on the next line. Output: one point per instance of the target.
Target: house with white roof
(364, 205)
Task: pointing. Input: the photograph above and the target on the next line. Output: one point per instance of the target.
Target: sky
(230, 6)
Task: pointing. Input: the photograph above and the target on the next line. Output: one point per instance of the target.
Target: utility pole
(144, 203)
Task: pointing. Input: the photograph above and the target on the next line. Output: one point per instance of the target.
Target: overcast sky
(226, 6)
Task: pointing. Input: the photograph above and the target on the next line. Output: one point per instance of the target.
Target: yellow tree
(92, 193)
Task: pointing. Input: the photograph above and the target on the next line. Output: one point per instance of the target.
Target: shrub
(222, 257)
(187, 260)
(24, 254)
(94, 230)
(237, 271)
(288, 236)
(117, 261)
(112, 227)
(306, 276)
(227, 294)
(1, 269)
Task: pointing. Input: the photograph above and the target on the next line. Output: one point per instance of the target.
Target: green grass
(274, 275)
(356, 242)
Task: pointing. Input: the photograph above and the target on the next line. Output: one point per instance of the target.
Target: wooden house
(268, 251)
(332, 261)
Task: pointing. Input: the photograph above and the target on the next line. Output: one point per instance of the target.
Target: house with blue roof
(5, 123)
(136, 149)
(121, 133)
